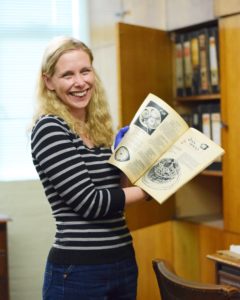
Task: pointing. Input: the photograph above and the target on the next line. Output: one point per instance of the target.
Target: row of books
(207, 118)
(197, 62)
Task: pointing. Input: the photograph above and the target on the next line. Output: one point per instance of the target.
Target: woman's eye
(67, 75)
(86, 71)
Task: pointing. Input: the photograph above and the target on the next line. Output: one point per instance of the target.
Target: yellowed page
(154, 128)
(189, 155)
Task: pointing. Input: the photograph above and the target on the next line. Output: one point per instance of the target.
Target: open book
(160, 152)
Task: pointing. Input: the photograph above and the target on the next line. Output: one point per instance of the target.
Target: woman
(92, 256)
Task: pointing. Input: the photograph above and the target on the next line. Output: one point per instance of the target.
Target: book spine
(204, 62)
(195, 63)
(216, 133)
(188, 118)
(187, 65)
(213, 59)
(197, 118)
(216, 123)
(179, 65)
(206, 120)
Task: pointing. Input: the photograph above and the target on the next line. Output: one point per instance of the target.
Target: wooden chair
(173, 287)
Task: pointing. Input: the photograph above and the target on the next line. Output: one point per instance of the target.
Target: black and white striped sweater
(84, 193)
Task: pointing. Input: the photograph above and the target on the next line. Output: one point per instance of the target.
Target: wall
(31, 230)
(182, 13)
(30, 234)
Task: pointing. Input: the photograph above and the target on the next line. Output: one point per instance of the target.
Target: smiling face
(73, 81)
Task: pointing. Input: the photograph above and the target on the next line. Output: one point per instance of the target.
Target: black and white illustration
(204, 146)
(151, 117)
(163, 175)
(122, 154)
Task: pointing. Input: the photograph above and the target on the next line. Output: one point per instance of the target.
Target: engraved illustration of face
(166, 170)
(150, 117)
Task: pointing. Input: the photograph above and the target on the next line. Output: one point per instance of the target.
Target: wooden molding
(224, 8)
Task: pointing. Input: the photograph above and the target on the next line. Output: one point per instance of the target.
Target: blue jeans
(115, 281)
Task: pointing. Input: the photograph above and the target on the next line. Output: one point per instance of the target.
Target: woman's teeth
(79, 94)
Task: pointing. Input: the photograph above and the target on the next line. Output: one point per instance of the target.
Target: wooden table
(227, 267)
(4, 282)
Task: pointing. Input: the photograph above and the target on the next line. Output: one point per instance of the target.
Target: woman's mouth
(79, 94)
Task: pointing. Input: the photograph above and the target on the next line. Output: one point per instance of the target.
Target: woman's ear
(48, 82)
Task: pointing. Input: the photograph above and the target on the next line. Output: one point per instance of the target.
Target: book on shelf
(216, 127)
(160, 152)
(204, 61)
(197, 118)
(214, 60)
(179, 71)
(206, 117)
(188, 118)
(187, 64)
(205, 111)
(195, 60)
(215, 123)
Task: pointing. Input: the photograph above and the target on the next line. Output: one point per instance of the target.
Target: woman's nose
(79, 80)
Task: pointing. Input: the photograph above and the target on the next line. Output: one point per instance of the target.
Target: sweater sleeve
(55, 156)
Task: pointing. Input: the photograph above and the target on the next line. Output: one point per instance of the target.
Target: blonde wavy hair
(98, 124)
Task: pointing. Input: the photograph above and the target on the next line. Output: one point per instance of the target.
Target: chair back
(173, 287)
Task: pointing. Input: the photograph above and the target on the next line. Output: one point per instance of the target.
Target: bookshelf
(201, 100)
(196, 60)
(212, 97)
(146, 64)
(212, 173)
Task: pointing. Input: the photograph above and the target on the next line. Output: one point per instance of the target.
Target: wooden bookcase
(185, 223)
(230, 102)
(226, 8)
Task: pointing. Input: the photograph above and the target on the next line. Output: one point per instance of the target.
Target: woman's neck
(87, 141)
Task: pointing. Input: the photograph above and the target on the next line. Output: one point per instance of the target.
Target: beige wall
(182, 13)
(31, 230)
(30, 235)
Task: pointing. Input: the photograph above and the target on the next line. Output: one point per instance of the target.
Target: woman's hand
(135, 194)
(120, 135)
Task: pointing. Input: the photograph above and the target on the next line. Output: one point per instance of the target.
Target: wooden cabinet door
(144, 66)
(230, 100)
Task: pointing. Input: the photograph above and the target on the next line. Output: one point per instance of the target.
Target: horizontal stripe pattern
(83, 191)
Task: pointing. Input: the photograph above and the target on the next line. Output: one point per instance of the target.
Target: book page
(189, 155)
(153, 129)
